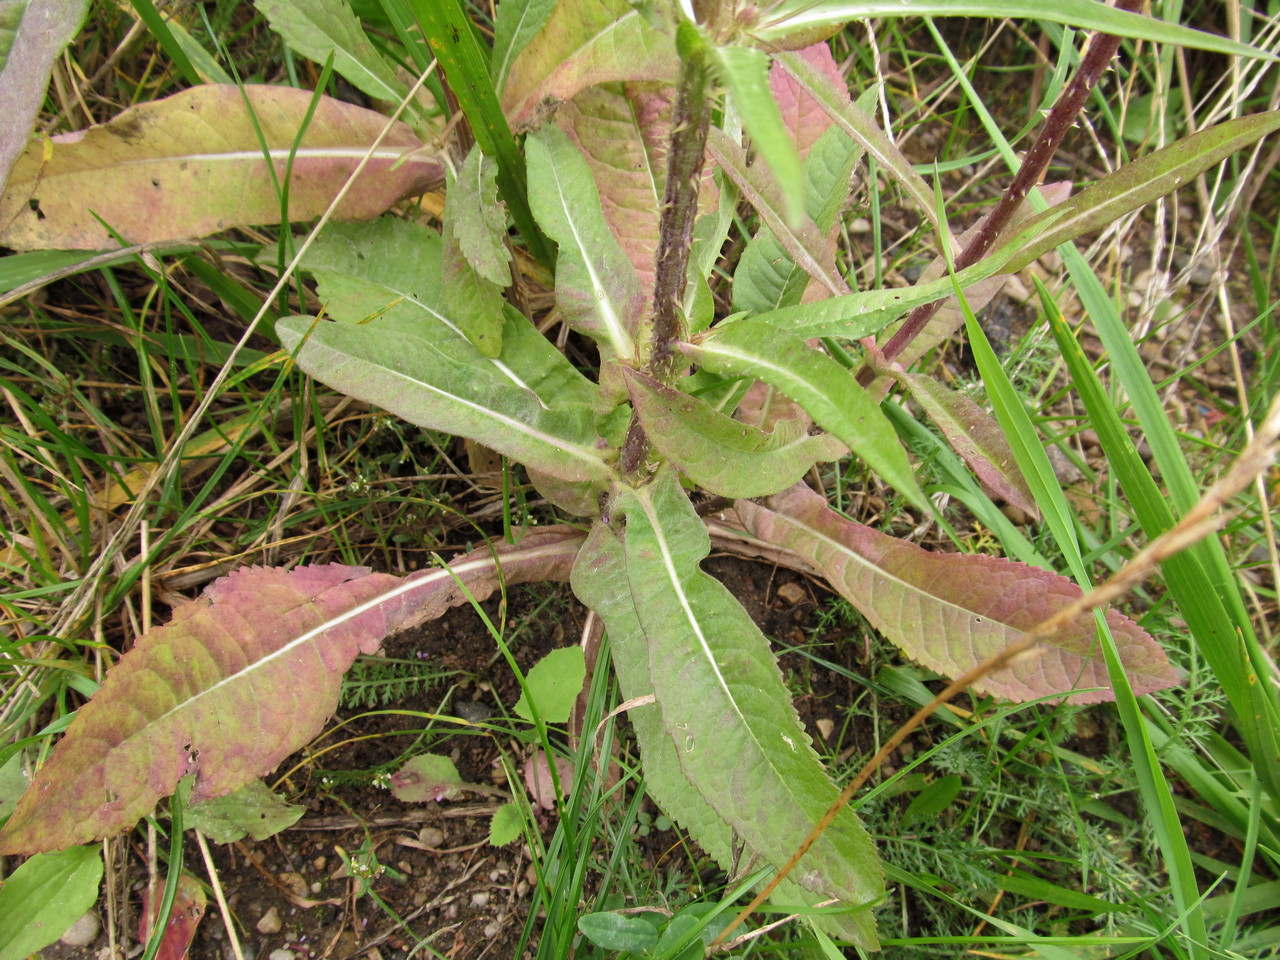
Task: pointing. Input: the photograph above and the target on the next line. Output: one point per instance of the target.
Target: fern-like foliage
(374, 682)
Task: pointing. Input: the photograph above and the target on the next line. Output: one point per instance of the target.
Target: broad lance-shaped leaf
(476, 259)
(440, 387)
(392, 269)
(951, 611)
(767, 277)
(1138, 183)
(192, 164)
(585, 42)
(238, 680)
(826, 390)
(745, 72)
(597, 289)
(516, 23)
(320, 28)
(799, 237)
(600, 581)
(974, 435)
(622, 130)
(738, 738)
(720, 454)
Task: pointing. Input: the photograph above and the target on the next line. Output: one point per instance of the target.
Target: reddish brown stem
(1100, 51)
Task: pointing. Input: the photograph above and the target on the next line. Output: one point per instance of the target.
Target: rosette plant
(611, 146)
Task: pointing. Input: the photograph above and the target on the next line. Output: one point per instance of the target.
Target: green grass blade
(1153, 786)
(453, 41)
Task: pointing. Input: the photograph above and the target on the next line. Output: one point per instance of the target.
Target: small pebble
(825, 728)
(491, 929)
(270, 922)
(281, 954)
(791, 593)
(83, 932)
(480, 899)
(432, 837)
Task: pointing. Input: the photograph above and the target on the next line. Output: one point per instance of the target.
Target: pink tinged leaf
(192, 164)
(764, 407)
(239, 679)
(622, 130)
(952, 611)
(803, 116)
(45, 27)
(425, 778)
(597, 289)
(974, 435)
(584, 44)
(184, 919)
(542, 787)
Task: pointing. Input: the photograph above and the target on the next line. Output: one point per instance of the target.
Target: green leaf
(600, 581)
(13, 783)
(554, 684)
(613, 931)
(738, 738)
(596, 286)
(801, 16)
(932, 800)
(45, 896)
(476, 269)
(441, 386)
(745, 72)
(802, 240)
(506, 825)
(720, 454)
(827, 391)
(392, 269)
(516, 23)
(766, 277)
(253, 811)
(318, 29)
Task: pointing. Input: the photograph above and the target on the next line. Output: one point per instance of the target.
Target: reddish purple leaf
(951, 611)
(184, 919)
(803, 116)
(238, 680)
(976, 436)
(192, 164)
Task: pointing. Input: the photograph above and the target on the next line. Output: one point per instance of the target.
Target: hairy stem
(690, 123)
(685, 159)
(1099, 53)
